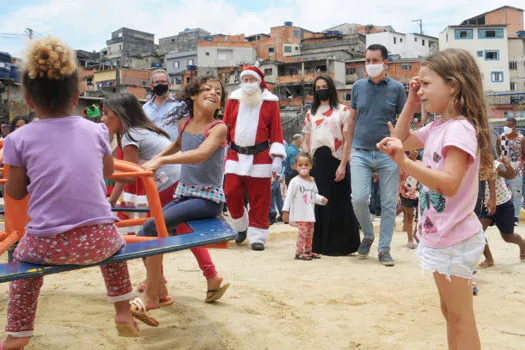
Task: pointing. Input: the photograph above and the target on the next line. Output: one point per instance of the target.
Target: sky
(87, 24)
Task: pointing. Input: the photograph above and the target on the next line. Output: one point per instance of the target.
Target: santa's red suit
(252, 129)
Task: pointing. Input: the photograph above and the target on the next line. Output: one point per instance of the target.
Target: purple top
(63, 160)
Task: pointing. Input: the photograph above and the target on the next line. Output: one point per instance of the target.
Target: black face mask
(160, 89)
(322, 95)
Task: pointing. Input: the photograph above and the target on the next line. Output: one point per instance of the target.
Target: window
(496, 77)
(513, 65)
(294, 71)
(297, 48)
(120, 35)
(490, 33)
(461, 34)
(347, 96)
(479, 53)
(176, 64)
(512, 86)
(406, 66)
(270, 51)
(287, 49)
(395, 40)
(491, 55)
(268, 71)
(350, 71)
(415, 39)
(191, 62)
(422, 42)
(508, 114)
(406, 87)
(400, 40)
(207, 53)
(297, 33)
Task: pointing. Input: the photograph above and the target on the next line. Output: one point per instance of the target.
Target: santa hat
(256, 73)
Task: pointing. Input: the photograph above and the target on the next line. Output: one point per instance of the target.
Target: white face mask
(507, 130)
(374, 70)
(250, 88)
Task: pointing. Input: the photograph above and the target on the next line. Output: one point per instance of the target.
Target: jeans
(362, 164)
(375, 200)
(277, 200)
(516, 186)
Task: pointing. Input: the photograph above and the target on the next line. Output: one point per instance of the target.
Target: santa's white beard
(252, 100)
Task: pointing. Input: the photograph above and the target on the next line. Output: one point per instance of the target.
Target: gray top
(376, 105)
(208, 173)
(149, 144)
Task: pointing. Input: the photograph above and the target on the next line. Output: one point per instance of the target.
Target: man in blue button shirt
(164, 110)
(376, 100)
(291, 152)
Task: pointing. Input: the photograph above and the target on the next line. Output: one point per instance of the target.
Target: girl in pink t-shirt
(450, 234)
(70, 218)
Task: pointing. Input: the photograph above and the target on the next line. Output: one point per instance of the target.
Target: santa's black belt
(250, 150)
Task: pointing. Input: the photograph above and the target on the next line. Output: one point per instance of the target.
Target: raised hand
(413, 89)
(392, 146)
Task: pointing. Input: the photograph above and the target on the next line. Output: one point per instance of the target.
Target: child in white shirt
(298, 208)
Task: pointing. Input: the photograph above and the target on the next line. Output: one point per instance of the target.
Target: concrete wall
(474, 46)
(404, 45)
(183, 59)
(224, 56)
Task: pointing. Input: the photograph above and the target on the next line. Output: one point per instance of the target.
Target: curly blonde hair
(49, 74)
(458, 67)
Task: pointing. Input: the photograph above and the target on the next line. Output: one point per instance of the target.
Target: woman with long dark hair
(326, 139)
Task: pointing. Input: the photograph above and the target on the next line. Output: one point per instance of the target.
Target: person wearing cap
(256, 151)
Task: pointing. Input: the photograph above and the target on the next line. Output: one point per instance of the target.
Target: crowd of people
(201, 162)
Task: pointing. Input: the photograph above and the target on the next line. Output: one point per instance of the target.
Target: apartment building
(508, 15)
(403, 45)
(489, 45)
(127, 42)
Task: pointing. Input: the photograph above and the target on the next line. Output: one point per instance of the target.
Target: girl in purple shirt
(70, 218)
(450, 234)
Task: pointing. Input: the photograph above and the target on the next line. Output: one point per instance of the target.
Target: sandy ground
(276, 302)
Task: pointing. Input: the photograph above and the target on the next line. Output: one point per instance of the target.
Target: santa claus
(256, 150)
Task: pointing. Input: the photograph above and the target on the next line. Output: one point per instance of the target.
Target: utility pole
(29, 33)
(420, 22)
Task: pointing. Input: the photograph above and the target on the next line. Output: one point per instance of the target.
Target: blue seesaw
(205, 232)
(195, 233)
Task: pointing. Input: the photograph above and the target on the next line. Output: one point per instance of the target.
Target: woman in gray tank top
(199, 194)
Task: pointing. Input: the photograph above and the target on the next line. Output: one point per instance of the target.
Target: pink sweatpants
(202, 255)
(305, 237)
(79, 246)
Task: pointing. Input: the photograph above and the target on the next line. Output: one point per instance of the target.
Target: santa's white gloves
(277, 165)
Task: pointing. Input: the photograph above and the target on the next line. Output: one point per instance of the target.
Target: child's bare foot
(411, 244)
(14, 342)
(215, 290)
(153, 296)
(142, 285)
(486, 263)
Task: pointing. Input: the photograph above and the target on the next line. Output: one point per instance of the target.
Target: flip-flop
(128, 330)
(138, 310)
(217, 293)
(166, 301)
(412, 245)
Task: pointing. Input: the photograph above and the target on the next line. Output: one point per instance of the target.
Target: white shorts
(459, 260)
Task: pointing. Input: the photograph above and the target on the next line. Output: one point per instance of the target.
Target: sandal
(217, 293)
(139, 311)
(128, 330)
(412, 245)
(303, 256)
(313, 255)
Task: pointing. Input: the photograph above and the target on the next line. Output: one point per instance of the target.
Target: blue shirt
(376, 105)
(291, 152)
(168, 115)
